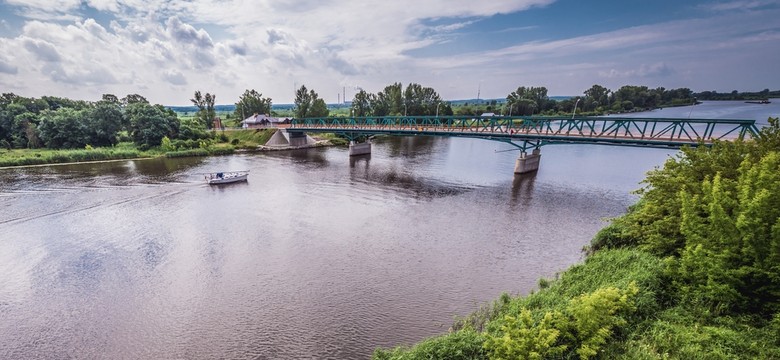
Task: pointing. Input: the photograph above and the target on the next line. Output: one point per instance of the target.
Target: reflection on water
(318, 255)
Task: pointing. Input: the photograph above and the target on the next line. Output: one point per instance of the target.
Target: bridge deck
(537, 131)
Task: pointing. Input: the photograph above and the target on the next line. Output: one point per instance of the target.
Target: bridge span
(531, 133)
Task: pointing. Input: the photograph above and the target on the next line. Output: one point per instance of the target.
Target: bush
(613, 236)
(583, 327)
(464, 344)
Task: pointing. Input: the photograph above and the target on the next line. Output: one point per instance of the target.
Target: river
(316, 256)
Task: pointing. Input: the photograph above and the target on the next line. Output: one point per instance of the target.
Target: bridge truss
(535, 131)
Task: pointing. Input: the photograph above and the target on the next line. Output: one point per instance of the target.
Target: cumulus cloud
(187, 34)
(93, 75)
(43, 50)
(7, 68)
(238, 48)
(174, 77)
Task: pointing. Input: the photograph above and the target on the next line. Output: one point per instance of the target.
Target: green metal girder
(526, 132)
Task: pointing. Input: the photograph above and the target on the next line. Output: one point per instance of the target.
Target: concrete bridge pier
(528, 163)
(356, 148)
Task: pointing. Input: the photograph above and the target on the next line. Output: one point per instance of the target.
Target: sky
(464, 49)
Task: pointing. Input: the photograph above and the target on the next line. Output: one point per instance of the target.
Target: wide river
(317, 256)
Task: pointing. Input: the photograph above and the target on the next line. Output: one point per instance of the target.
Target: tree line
(61, 123)
(417, 100)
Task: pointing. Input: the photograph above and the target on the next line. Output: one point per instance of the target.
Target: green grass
(236, 139)
(250, 138)
(22, 157)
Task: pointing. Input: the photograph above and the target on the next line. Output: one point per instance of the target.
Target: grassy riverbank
(690, 272)
(222, 143)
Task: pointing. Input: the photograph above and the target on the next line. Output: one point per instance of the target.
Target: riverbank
(227, 142)
(688, 273)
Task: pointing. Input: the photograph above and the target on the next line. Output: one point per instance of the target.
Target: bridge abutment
(528, 163)
(356, 148)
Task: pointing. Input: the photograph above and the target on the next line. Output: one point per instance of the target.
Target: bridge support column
(297, 138)
(356, 149)
(527, 163)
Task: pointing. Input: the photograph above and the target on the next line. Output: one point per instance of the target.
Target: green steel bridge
(532, 132)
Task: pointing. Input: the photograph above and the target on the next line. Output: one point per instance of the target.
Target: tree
(65, 128)
(361, 103)
(105, 121)
(309, 104)
(389, 101)
(134, 99)
(302, 102)
(318, 107)
(23, 132)
(527, 101)
(205, 104)
(596, 96)
(420, 100)
(252, 102)
(150, 123)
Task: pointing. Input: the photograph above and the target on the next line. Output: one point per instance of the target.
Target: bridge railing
(550, 128)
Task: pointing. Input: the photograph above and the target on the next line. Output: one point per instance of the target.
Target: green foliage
(66, 156)
(192, 129)
(584, 326)
(318, 107)
(527, 101)
(361, 103)
(105, 121)
(523, 337)
(252, 102)
(678, 333)
(150, 123)
(303, 101)
(65, 128)
(166, 145)
(250, 139)
(205, 104)
(465, 344)
(309, 104)
(715, 212)
(612, 236)
(596, 315)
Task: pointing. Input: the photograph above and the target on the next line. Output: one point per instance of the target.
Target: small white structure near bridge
(262, 121)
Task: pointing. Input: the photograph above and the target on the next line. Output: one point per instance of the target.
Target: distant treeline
(735, 95)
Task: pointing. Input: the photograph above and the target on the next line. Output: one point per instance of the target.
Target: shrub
(584, 327)
(464, 344)
(166, 144)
